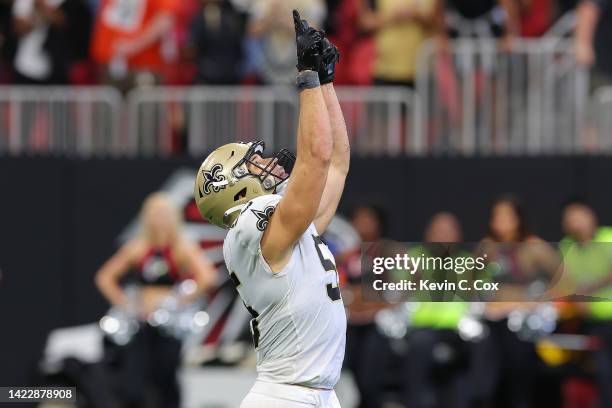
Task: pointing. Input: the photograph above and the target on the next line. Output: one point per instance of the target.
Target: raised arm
(513, 23)
(159, 26)
(27, 16)
(298, 207)
(109, 275)
(588, 14)
(200, 267)
(341, 153)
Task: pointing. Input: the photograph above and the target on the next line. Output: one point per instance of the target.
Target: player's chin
(280, 173)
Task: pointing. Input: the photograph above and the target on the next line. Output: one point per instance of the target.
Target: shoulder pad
(253, 221)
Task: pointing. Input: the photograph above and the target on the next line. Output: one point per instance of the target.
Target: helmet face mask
(269, 179)
(234, 174)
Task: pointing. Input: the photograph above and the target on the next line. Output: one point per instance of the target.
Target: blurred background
(469, 119)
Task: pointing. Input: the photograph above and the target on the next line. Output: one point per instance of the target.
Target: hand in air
(308, 44)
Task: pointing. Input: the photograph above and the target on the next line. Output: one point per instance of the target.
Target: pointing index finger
(300, 25)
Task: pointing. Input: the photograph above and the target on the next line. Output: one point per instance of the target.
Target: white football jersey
(299, 322)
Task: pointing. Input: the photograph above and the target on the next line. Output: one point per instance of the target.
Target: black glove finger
(310, 41)
(336, 54)
(301, 26)
(327, 45)
(315, 35)
(330, 52)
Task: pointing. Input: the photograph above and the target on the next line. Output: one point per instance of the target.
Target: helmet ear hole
(241, 194)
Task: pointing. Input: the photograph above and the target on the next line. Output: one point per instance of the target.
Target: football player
(282, 269)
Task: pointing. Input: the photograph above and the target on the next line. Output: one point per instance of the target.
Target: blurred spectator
(434, 328)
(399, 27)
(482, 19)
(215, 41)
(565, 6)
(180, 68)
(593, 36)
(367, 351)
(357, 48)
(160, 257)
(330, 24)
(93, 5)
(271, 28)
(581, 227)
(508, 363)
(525, 256)
(508, 221)
(536, 16)
(579, 222)
(77, 39)
(45, 32)
(131, 39)
(588, 261)
(444, 227)
(369, 221)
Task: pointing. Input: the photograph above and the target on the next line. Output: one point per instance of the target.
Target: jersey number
(332, 291)
(254, 323)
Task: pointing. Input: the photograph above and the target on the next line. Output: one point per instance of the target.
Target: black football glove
(308, 43)
(330, 56)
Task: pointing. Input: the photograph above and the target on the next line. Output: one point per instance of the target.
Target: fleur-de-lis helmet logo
(211, 179)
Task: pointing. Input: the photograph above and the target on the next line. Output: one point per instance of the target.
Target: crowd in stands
(181, 42)
(434, 364)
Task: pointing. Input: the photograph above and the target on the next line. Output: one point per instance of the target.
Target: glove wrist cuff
(307, 80)
(327, 80)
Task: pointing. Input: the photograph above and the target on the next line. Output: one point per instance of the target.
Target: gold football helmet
(232, 175)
